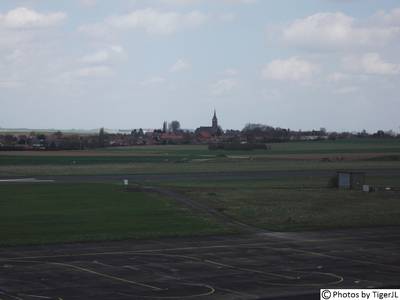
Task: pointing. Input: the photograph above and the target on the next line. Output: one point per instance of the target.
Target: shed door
(344, 180)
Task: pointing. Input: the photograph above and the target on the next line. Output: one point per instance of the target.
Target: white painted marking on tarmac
(11, 296)
(102, 264)
(93, 272)
(248, 245)
(211, 290)
(25, 180)
(339, 278)
(250, 270)
(131, 268)
(241, 294)
(338, 257)
(135, 251)
(219, 264)
(258, 245)
(35, 296)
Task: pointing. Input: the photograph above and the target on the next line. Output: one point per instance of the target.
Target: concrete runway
(256, 266)
(208, 176)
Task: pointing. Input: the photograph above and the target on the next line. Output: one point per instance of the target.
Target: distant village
(252, 136)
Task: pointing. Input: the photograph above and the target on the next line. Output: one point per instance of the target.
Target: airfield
(260, 266)
(198, 224)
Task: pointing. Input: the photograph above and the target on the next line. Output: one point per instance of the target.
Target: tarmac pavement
(251, 266)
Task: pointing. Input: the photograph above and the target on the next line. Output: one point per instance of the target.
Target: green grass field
(310, 147)
(54, 213)
(296, 209)
(297, 203)
(193, 167)
(318, 155)
(187, 153)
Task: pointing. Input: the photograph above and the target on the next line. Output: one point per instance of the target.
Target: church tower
(215, 121)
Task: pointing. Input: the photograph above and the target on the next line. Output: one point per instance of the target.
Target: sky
(135, 63)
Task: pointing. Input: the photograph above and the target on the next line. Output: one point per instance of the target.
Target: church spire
(215, 120)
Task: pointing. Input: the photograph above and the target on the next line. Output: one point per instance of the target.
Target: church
(210, 131)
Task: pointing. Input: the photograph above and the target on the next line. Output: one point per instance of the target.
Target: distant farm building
(351, 180)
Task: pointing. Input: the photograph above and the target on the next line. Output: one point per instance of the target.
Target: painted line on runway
(11, 296)
(241, 294)
(25, 180)
(210, 292)
(260, 245)
(250, 270)
(219, 264)
(35, 296)
(132, 252)
(340, 258)
(339, 278)
(93, 272)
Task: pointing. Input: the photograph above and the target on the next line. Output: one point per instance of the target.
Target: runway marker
(26, 180)
(110, 276)
(11, 296)
(102, 264)
(210, 292)
(340, 279)
(254, 245)
(131, 268)
(94, 272)
(242, 294)
(134, 251)
(251, 270)
(262, 244)
(342, 258)
(35, 296)
(221, 264)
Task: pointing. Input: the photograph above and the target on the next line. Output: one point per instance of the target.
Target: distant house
(171, 138)
(208, 132)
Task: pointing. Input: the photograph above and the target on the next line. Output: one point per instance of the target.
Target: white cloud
(241, 1)
(224, 86)
(22, 17)
(338, 76)
(99, 56)
(156, 22)
(374, 64)
(95, 29)
(88, 3)
(231, 72)
(96, 71)
(180, 2)
(10, 83)
(333, 31)
(391, 17)
(227, 17)
(371, 64)
(347, 90)
(322, 28)
(192, 2)
(180, 65)
(104, 55)
(290, 69)
(153, 81)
